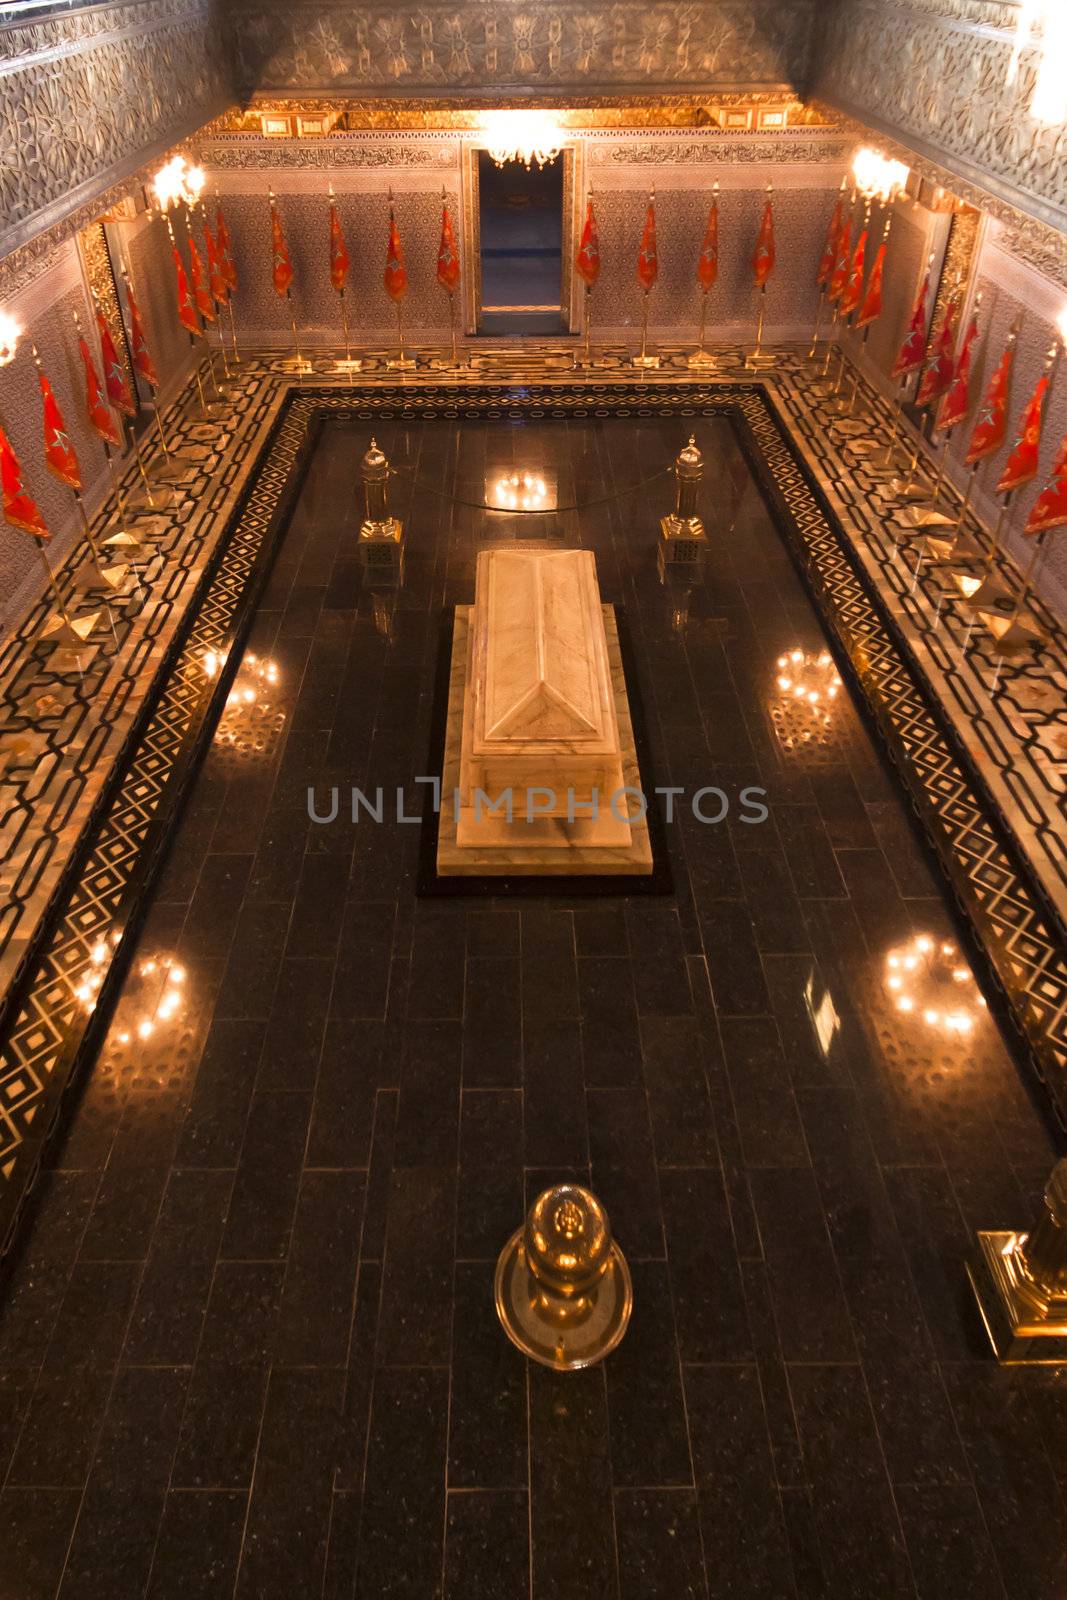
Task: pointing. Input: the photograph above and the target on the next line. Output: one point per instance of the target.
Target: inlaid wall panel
(265, 317)
(681, 215)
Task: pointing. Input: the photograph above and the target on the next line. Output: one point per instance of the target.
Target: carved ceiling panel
(939, 74)
(86, 96)
(499, 45)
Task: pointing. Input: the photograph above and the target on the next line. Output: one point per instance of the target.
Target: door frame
(573, 157)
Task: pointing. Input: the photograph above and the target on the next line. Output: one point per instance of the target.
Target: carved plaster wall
(937, 74)
(87, 96)
(805, 167)
(496, 45)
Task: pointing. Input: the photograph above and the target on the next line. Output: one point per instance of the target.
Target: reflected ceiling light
(161, 974)
(929, 980)
(177, 183)
(808, 684)
(520, 491)
(10, 331)
(253, 677)
(876, 177)
(526, 136)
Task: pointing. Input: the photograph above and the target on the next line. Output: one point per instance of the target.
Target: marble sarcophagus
(540, 770)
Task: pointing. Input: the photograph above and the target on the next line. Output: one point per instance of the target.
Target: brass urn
(563, 1290)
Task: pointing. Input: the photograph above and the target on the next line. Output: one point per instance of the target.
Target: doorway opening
(521, 246)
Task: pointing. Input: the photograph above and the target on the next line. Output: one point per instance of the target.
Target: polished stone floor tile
(248, 1345)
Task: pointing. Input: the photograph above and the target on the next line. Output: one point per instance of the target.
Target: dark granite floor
(249, 1344)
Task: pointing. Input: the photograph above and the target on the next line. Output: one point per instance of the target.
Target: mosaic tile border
(46, 1032)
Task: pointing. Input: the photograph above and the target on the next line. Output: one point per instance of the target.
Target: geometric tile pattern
(103, 888)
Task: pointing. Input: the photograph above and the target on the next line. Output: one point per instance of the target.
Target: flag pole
(401, 363)
(226, 373)
(153, 402)
(1011, 633)
(296, 336)
(192, 338)
(110, 577)
(120, 499)
(229, 286)
(587, 360)
(700, 357)
(755, 359)
(347, 365)
(644, 359)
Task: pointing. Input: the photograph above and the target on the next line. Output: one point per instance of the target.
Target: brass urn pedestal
(683, 543)
(381, 535)
(1020, 1282)
(562, 1287)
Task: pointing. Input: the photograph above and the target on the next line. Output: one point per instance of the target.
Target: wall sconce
(876, 177)
(177, 183)
(10, 331)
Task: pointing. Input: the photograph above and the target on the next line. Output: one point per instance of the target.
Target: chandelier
(526, 136)
(177, 183)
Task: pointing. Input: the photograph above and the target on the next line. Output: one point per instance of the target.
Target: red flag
(1049, 510)
(912, 352)
(852, 293)
(186, 315)
(447, 254)
(395, 277)
(942, 367)
(59, 453)
(216, 275)
(141, 359)
(992, 421)
(1022, 463)
(204, 303)
(338, 252)
(842, 262)
(19, 509)
(829, 254)
(282, 267)
(708, 264)
(871, 309)
(222, 234)
(587, 261)
(957, 402)
(648, 254)
(118, 390)
(763, 257)
(95, 404)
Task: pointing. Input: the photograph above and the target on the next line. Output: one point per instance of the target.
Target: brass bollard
(563, 1291)
(683, 543)
(1020, 1283)
(381, 536)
